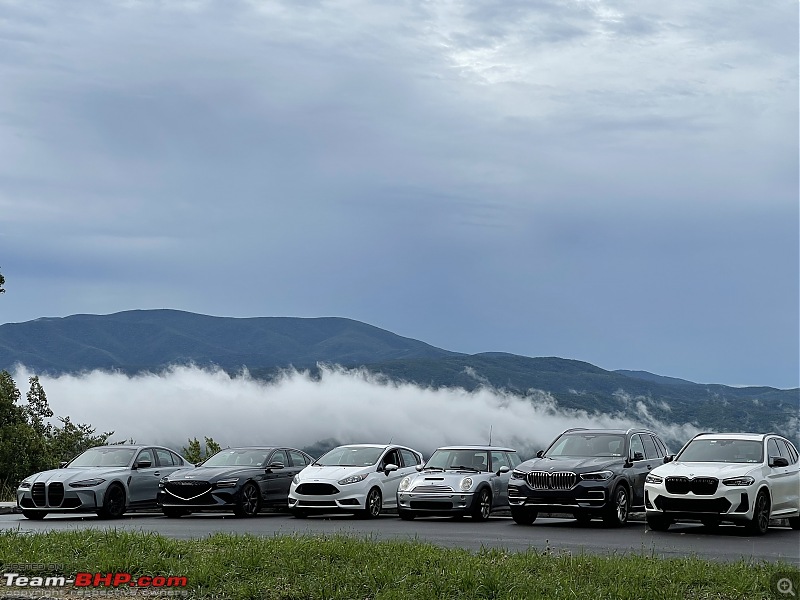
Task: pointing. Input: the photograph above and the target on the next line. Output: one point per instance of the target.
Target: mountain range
(153, 340)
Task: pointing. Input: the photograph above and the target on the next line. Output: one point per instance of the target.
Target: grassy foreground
(297, 567)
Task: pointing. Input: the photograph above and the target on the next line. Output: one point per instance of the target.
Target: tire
(481, 505)
(524, 516)
(373, 504)
(249, 501)
(174, 513)
(407, 515)
(760, 521)
(113, 502)
(618, 509)
(658, 522)
(794, 522)
(583, 518)
(34, 515)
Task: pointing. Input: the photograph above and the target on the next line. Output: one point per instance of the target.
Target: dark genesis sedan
(242, 480)
(589, 473)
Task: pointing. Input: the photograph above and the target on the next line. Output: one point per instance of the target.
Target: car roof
(617, 431)
(757, 437)
(478, 447)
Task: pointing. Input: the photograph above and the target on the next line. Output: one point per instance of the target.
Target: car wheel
(373, 504)
(583, 518)
(34, 515)
(174, 513)
(407, 515)
(617, 510)
(524, 516)
(249, 502)
(113, 502)
(482, 505)
(658, 522)
(794, 522)
(760, 522)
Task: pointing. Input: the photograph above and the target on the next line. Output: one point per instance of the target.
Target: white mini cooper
(744, 478)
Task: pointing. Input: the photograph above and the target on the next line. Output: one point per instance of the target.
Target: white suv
(360, 478)
(745, 478)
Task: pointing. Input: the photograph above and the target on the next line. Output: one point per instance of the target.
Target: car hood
(332, 473)
(705, 469)
(212, 473)
(577, 464)
(68, 475)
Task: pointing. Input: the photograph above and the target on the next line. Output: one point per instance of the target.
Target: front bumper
(728, 503)
(55, 497)
(433, 503)
(212, 499)
(327, 497)
(584, 496)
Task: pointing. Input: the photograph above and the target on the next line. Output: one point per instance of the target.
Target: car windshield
(104, 457)
(350, 456)
(587, 445)
(722, 450)
(474, 460)
(237, 457)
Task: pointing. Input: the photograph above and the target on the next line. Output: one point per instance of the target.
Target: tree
(194, 454)
(2, 283)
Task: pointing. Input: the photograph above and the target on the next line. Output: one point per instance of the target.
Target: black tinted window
(649, 446)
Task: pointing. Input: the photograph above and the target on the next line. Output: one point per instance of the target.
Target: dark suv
(589, 473)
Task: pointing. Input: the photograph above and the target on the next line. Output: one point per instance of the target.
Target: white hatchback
(745, 478)
(359, 478)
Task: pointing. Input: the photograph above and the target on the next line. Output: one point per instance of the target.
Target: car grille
(700, 486)
(316, 489)
(188, 490)
(544, 480)
(37, 493)
(55, 493)
(431, 505)
(693, 505)
(433, 489)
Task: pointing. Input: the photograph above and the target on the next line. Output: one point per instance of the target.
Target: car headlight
(25, 485)
(405, 483)
(353, 479)
(738, 481)
(227, 483)
(87, 482)
(653, 478)
(466, 483)
(163, 481)
(597, 476)
(296, 479)
(517, 474)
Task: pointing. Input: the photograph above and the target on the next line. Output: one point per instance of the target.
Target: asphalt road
(728, 543)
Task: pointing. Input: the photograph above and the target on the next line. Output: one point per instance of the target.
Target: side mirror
(143, 463)
(503, 469)
(778, 461)
(419, 467)
(389, 468)
(540, 454)
(275, 465)
(669, 458)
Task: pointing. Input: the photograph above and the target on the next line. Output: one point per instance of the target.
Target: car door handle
(157, 473)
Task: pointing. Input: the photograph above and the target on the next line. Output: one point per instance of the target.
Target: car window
(350, 456)
(513, 459)
(391, 458)
(649, 446)
(177, 460)
(164, 457)
(587, 444)
(499, 459)
(661, 446)
(297, 459)
(792, 452)
(636, 446)
(772, 448)
(146, 454)
(278, 456)
(409, 458)
(721, 450)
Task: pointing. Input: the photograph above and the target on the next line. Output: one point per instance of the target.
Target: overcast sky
(615, 182)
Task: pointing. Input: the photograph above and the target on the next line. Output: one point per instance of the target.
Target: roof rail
(575, 429)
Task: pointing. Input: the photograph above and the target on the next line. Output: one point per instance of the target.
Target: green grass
(300, 567)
